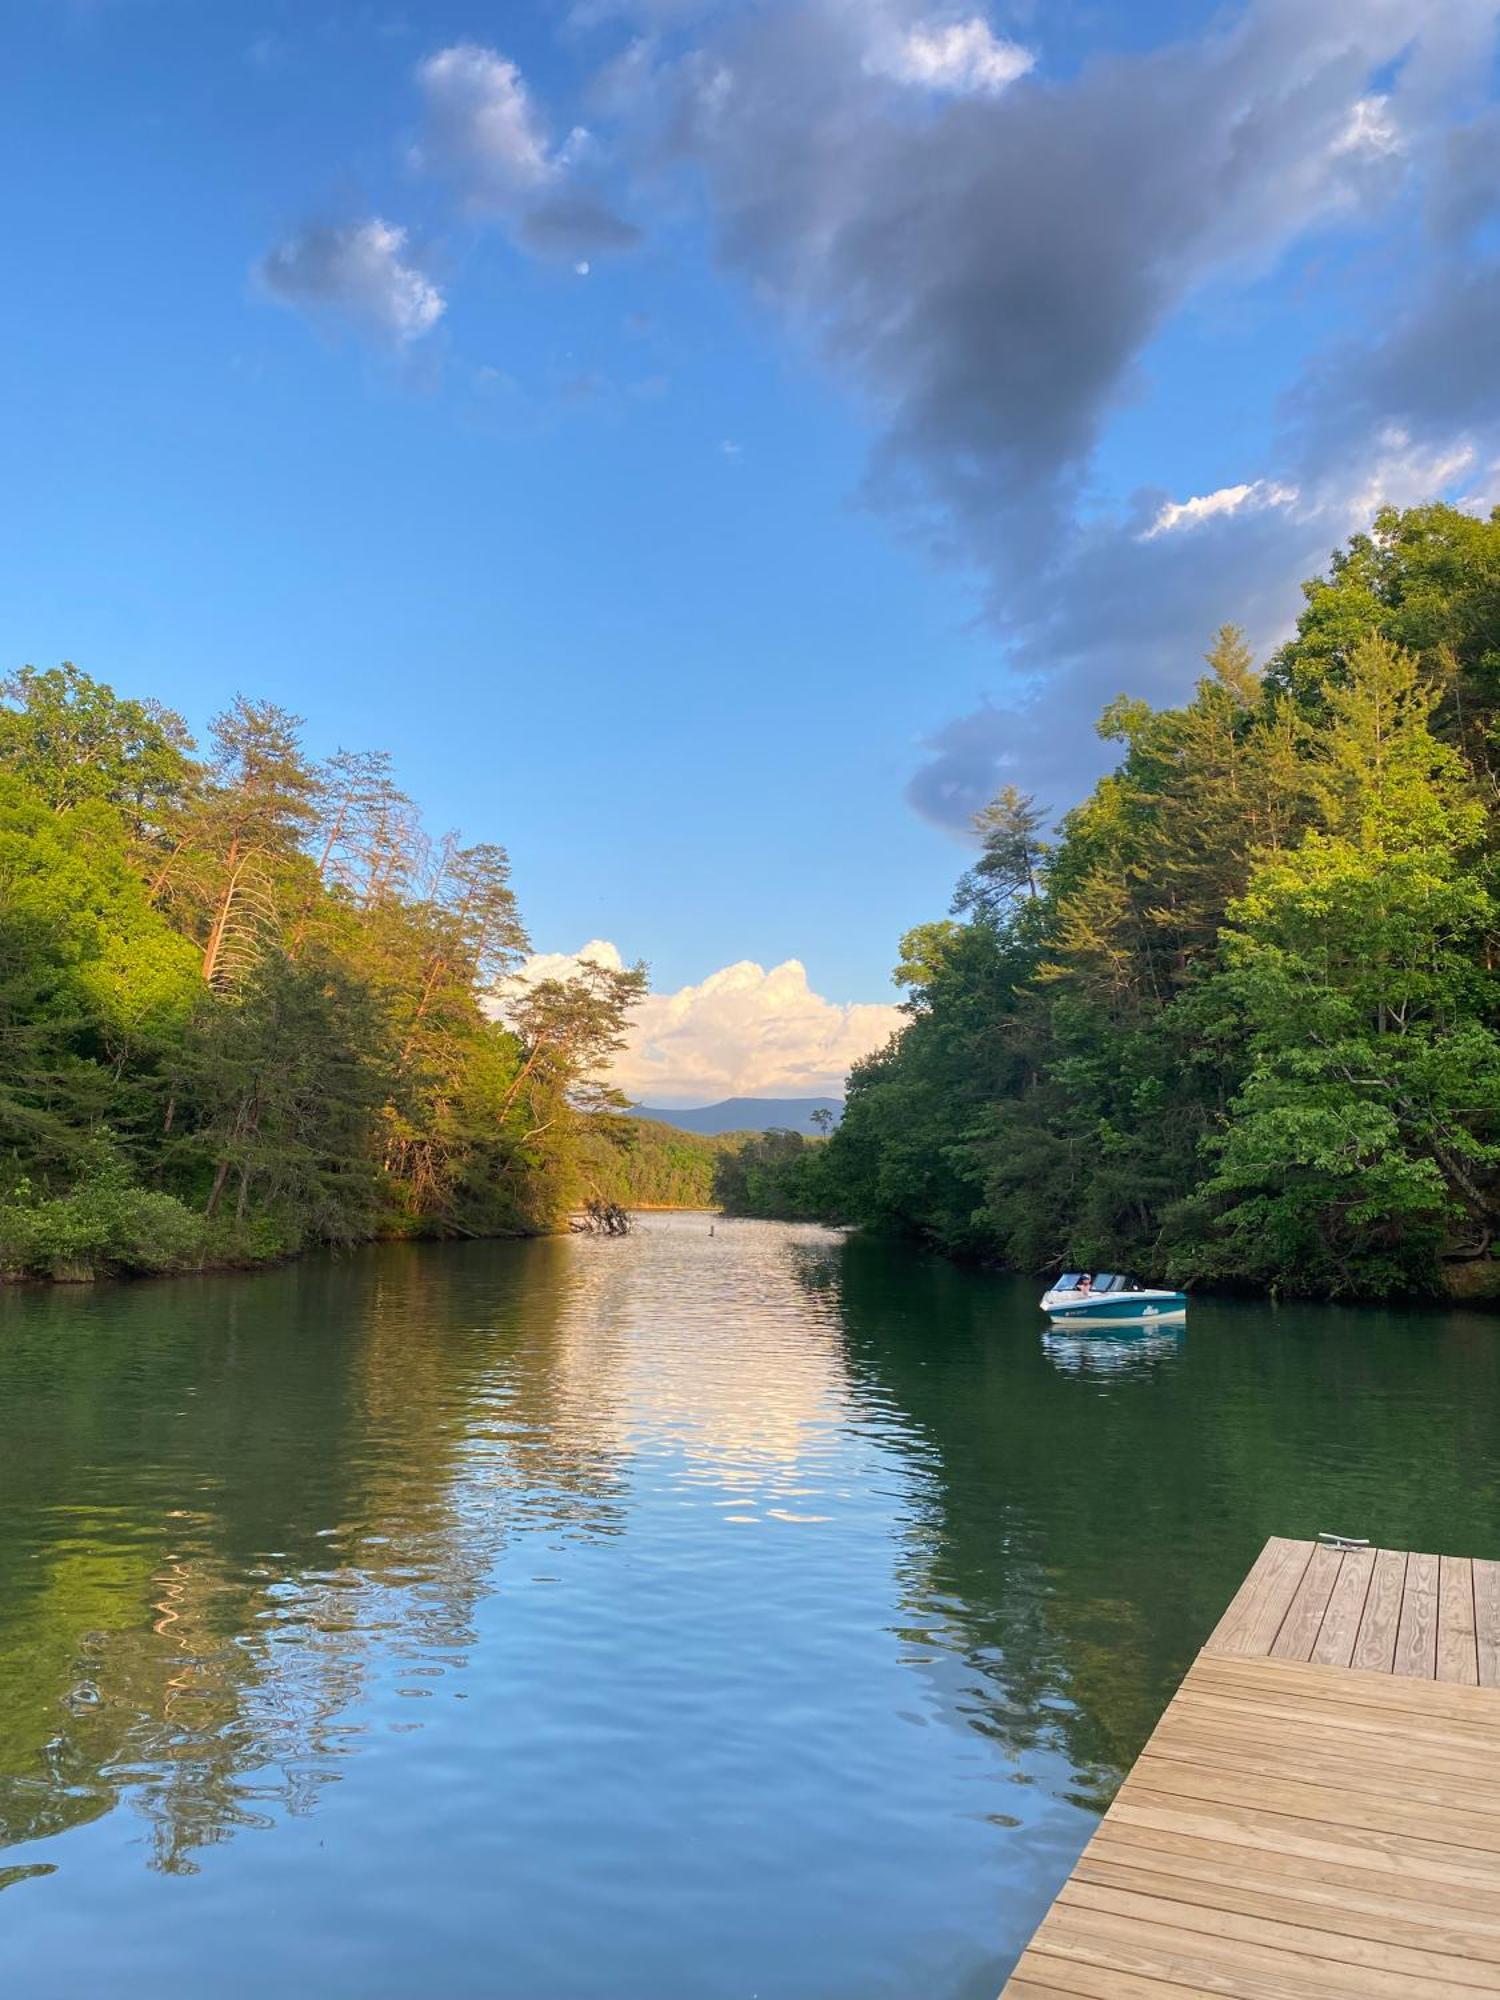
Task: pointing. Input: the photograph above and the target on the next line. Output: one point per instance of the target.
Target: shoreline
(1483, 1298)
(223, 1267)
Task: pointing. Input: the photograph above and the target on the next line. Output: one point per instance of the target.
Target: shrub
(104, 1225)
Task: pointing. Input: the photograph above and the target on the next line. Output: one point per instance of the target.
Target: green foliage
(638, 1163)
(774, 1173)
(70, 739)
(104, 1226)
(279, 1096)
(270, 991)
(95, 987)
(1012, 856)
(1247, 1027)
(1366, 1128)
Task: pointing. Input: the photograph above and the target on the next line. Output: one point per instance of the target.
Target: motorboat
(1110, 1298)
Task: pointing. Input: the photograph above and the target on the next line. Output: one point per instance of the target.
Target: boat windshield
(1105, 1281)
(1068, 1282)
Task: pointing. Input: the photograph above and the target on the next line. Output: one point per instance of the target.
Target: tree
(570, 1030)
(1012, 857)
(474, 934)
(281, 1093)
(238, 838)
(1246, 1026)
(94, 985)
(774, 1173)
(70, 739)
(1428, 579)
(368, 841)
(243, 1006)
(1369, 1125)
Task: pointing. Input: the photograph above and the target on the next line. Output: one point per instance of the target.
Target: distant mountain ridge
(743, 1114)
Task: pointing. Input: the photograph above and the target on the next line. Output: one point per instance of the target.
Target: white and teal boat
(1110, 1298)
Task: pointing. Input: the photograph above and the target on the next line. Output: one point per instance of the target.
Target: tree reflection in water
(360, 1440)
(1091, 1506)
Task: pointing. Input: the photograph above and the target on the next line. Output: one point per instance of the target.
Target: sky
(714, 444)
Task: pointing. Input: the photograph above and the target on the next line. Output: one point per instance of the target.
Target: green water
(745, 1614)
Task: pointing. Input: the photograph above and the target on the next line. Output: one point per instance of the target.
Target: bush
(103, 1226)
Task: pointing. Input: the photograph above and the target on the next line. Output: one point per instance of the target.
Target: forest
(638, 1163)
(1233, 1019)
(247, 1005)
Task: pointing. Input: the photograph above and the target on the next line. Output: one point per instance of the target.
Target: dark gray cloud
(988, 270)
(1134, 617)
(1439, 366)
(1123, 610)
(985, 271)
(571, 224)
(1466, 186)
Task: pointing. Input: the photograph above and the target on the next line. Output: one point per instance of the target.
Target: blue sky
(721, 580)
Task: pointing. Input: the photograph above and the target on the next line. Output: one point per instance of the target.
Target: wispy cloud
(1178, 514)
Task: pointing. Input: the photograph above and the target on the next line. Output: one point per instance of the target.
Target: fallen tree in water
(602, 1218)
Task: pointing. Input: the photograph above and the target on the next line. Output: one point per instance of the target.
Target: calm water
(745, 1614)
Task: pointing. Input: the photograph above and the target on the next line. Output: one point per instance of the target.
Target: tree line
(1235, 1019)
(247, 1004)
(639, 1163)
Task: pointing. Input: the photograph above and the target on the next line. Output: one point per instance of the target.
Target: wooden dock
(1318, 1811)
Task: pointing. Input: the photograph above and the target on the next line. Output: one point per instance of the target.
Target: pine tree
(1012, 858)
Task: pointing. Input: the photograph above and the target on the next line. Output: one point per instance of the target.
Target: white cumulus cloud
(743, 1031)
(482, 126)
(963, 57)
(484, 132)
(358, 272)
(562, 964)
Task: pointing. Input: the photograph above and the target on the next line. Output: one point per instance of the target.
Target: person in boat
(1086, 1282)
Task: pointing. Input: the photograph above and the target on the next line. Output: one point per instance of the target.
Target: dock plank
(1450, 1902)
(1228, 1964)
(1442, 1705)
(1053, 1976)
(1314, 1840)
(1351, 1906)
(1457, 1636)
(1304, 1618)
(1278, 1755)
(1416, 1629)
(1318, 1810)
(1334, 1646)
(1270, 1926)
(1255, 1614)
(1375, 1643)
(1487, 1620)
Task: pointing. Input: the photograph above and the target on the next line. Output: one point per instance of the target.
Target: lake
(728, 1610)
